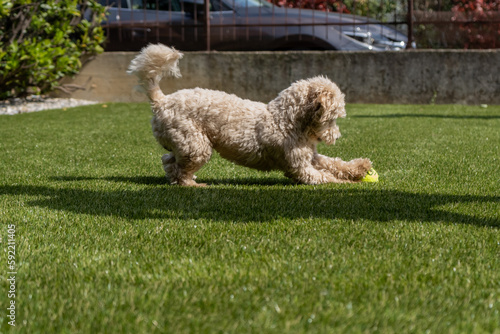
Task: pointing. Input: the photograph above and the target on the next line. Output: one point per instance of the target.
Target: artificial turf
(105, 245)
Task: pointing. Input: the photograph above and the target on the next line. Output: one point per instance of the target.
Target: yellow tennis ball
(371, 176)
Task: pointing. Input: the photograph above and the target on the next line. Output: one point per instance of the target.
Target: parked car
(241, 25)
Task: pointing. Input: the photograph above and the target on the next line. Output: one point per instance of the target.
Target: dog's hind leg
(344, 171)
(168, 162)
(180, 168)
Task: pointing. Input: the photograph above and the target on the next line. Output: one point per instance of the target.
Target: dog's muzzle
(330, 135)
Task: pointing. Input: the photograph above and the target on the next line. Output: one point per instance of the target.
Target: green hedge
(43, 41)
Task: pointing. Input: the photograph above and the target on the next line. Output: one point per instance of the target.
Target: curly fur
(281, 135)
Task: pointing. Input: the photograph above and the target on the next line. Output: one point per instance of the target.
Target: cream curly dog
(281, 135)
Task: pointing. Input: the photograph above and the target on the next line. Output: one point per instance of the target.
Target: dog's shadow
(161, 180)
(151, 197)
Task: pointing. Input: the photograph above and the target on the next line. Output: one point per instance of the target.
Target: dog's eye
(317, 107)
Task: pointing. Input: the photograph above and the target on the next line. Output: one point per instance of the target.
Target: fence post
(207, 22)
(410, 24)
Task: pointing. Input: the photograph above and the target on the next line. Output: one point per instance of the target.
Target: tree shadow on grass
(156, 200)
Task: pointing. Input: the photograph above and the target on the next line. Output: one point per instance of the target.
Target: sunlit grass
(104, 244)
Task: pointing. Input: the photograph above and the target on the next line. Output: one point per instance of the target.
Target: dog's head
(326, 104)
(310, 107)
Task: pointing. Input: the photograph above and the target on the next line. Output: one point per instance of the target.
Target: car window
(250, 3)
(114, 3)
(218, 5)
(168, 5)
(165, 5)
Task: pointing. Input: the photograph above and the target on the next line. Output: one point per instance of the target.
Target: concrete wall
(464, 77)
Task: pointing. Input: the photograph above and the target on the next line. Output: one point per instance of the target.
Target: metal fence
(255, 25)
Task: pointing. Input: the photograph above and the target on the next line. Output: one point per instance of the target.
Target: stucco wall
(465, 77)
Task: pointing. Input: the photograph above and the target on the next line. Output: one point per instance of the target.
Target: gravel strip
(37, 103)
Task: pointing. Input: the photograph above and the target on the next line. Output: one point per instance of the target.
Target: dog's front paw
(359, 168)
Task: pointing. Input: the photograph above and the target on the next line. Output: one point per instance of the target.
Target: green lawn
(104, 245)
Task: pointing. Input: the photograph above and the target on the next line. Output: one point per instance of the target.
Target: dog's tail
(152, 64)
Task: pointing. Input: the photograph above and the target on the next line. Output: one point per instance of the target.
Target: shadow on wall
(158, 200)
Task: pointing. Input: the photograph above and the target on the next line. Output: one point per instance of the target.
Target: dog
(281, 135)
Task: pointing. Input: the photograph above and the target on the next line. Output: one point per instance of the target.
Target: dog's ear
(330, 105)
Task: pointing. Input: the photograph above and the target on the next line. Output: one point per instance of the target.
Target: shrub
(43, 41)
(480, 27)
(466, 24)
